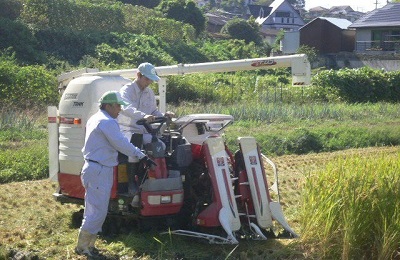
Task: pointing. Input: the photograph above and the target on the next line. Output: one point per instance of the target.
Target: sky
(357, 5)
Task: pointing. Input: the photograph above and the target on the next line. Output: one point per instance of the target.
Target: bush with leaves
(243, 30)
(145, 3)
(69, 45)
(184, 11)
(26, 87)
(358, 85)
(10, 9)
(230, 50)
(20, 39)
(73, 15)
(129, 50)
(311, 52)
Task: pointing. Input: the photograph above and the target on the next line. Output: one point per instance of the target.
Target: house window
(385, 40)
(395, 36)
(282, 14)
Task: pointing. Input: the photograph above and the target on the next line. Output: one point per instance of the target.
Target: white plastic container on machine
(78, 102)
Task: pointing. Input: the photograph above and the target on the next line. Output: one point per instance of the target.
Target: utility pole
(376, 3)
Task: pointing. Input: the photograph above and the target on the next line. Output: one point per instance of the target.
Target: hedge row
(358, 85)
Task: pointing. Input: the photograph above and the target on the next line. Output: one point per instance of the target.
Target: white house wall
(290, 42)
(293, 23)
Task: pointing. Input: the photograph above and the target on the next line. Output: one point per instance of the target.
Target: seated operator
(142, 103)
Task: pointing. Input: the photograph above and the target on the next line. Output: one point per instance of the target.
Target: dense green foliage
(23, 152)
(358, 85)
(240, 29)
(30, 162)
(63, 35)
(16, 37)
(10, 9)
(145, 3)
(26, 87)
(184, 11)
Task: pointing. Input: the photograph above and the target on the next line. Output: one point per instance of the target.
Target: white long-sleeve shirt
(104, 139)
(141, 103)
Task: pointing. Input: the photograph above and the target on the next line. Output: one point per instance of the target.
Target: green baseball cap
(112, 97)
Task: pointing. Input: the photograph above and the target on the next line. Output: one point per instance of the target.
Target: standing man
(142, 102)
(103, 140)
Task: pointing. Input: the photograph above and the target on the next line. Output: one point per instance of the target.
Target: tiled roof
(340, 8)
(256, 9)
(318, 9)
(389, 15)
(216, 19)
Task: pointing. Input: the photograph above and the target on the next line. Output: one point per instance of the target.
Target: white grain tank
(78, 102)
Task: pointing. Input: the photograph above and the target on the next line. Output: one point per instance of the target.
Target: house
(378, 30)
(280, 16)
(341, 11)
(215, 22)
(325, 34)
(328, 35)
(257, 10)
(216, 19)
(318, 11)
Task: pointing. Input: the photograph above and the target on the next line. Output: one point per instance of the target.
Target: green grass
(26, 160)
(23, 146)
(314, 127)
(272, 113)
(283, 129)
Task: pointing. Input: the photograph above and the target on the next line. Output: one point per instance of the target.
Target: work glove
(149, 163)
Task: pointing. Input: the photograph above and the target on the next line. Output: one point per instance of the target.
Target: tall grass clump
(351, 208)
(21, 125)
(23, 146)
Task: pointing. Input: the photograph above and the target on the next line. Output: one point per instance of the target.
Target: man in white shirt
(103, 141)
(142, 102)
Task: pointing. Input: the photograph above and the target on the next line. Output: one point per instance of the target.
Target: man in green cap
(103, 141)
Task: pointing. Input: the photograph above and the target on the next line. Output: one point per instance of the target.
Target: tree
(243, 30)
(265, 2)
(297, 4)
(235, 6)
(311, 52)
(10, 9)
(186, 12)
(17, 36)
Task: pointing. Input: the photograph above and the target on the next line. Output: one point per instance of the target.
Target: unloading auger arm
(301, 69)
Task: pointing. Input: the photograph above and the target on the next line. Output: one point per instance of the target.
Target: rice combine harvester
(199, 187)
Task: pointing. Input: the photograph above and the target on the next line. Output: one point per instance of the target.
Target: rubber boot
(135, 201)
(84, 239)
(93, 250)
